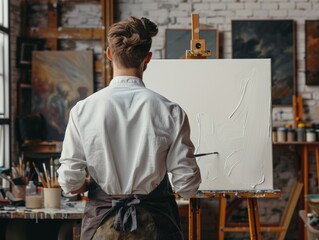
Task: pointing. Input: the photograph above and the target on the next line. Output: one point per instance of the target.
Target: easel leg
(317, 163)
(222, 218)
(305, 182)
(194, 219)
(253, 217)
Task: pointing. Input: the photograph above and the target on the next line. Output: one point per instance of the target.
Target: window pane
(5, 13)
(2, 87)
(4, 19)
(4, 76)
(4, 146)
(1, 51)
(1, 13)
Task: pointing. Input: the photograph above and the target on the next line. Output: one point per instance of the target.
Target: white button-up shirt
(128, 137)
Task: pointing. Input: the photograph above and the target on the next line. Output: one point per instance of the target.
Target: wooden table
(45, 221)
(68, 211)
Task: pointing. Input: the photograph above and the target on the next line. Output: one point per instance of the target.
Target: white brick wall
(219, 13)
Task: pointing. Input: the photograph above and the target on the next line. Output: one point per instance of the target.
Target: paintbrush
(46, 175)
(51, 171)
(204, 154)
(39, 175)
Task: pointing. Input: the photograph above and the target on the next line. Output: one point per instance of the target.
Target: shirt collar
(127, 81)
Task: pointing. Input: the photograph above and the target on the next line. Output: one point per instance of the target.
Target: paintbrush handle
(46, 175)
(39, 175)
(204, 154)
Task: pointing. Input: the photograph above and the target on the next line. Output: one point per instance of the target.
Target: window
(4, 85)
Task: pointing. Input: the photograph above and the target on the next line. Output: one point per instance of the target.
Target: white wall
(218, 14)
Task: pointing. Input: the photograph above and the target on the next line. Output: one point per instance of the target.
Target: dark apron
(160, 204)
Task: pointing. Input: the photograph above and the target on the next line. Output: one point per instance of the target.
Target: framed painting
(59, 80)
(178, 41)
(273, 39)
(25, 47)
(312, 52)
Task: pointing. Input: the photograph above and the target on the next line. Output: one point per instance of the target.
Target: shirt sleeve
(72, 171)
(181, 162)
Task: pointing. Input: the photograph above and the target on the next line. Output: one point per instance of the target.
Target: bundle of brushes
(20, 173)
(48, 179)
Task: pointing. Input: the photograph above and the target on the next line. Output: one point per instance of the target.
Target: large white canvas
(228, 103)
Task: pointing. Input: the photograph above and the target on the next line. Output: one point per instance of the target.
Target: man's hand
(83, 188)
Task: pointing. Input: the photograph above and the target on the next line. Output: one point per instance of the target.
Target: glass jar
(310, 135)
(281, 134)
(291, 135)
(32, 198)
(274, 134)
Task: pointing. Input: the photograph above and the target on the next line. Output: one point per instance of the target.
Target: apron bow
(125, 218)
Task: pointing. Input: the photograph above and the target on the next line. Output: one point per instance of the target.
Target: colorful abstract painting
(272, 39)
(312, 52)
(59, 80)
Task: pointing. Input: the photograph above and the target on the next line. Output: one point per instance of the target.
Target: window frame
(5, 118)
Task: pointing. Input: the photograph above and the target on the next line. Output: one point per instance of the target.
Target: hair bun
(150, 26)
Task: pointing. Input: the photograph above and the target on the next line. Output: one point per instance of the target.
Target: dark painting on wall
(178, 41)
(274, 39)
(312, 52)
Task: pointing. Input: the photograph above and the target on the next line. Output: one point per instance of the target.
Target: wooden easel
(198, 46)
(280, 229)
(253, 215)
(198, 51)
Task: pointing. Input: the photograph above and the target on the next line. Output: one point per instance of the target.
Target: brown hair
(130, 40)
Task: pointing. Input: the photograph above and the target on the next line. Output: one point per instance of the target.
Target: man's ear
(109, 54)
(148, 57)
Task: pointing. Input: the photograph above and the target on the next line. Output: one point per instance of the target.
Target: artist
(121, 142)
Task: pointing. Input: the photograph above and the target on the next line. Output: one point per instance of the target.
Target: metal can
(291, 135)
(310, 135)
(281, 134)
(301, 134)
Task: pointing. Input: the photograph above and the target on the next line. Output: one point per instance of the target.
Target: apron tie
(125, 218)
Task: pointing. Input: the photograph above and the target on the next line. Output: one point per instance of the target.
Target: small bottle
(32, 198)
(6, 184)
(281, 134)
(301, 133)
(291, 135)
(274, 134)
(310, 135)
(317, 135)
(309, 217)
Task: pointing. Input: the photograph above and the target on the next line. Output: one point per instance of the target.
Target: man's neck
(128, 72)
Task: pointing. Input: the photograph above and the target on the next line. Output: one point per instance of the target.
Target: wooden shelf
(42, 147)
(295, 143)
(67, 33)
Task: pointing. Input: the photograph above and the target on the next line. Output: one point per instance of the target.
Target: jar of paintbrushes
(20, 176)
(51, 187)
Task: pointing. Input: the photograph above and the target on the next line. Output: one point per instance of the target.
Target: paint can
(301, 133)
(317, 135)
(291, 135)
(281, 134)
(310, 135)
(274, 134)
